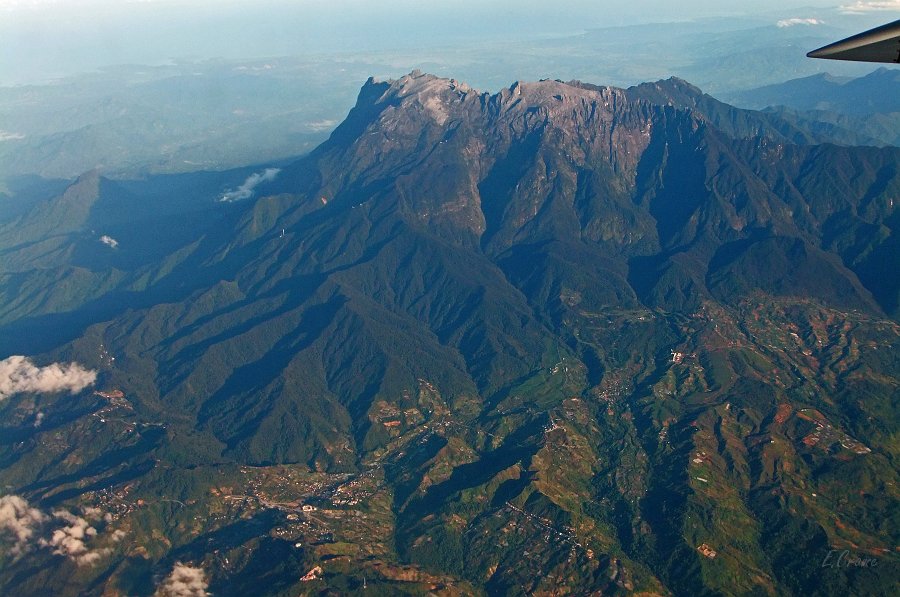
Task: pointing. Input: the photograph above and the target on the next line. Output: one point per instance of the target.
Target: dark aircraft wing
(881, 44)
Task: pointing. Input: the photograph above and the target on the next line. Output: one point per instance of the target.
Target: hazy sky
(585, 9)
(688, 7)
(41, 39)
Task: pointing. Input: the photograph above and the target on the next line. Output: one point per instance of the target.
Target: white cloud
(20, 520)
(93, 513)
(321, 125)
(109, 241)
(71, 534)
(19, 374)
(797, 21)
(184, 581)
(72, 539)
(7, 136)
(38, 419)
(861, 6)
(245, 191)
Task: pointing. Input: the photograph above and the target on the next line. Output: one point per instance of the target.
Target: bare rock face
(448, 148)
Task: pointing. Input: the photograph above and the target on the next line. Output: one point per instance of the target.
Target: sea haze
(47, 40)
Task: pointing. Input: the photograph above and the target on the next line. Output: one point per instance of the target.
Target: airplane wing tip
(825, 52)
(875, 45)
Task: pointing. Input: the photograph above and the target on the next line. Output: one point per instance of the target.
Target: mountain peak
(442, 135)
(424, 86)
(419, 84)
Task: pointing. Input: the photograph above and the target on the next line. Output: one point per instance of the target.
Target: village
(826, 435)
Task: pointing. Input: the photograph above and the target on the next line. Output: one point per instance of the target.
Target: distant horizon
(50, 39)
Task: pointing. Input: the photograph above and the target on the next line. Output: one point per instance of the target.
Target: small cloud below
(246, 190)
(862, 7)
(24, 528)
(7, 136)
(797, 21)
(258, 67)
(18, 523)
(109, 241)
(71, 540)
(19, 374)
(318, 126)
(184, 581)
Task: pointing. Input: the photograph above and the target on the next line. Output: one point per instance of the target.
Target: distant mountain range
(132, 120)
(862, 96)
(561, 337)
(863, 110)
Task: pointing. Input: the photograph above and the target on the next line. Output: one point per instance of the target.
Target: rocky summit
(560, 339)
